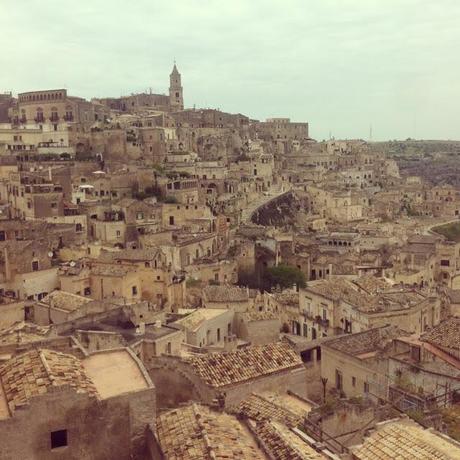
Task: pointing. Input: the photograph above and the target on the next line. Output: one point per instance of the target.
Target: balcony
(68, 117)
(307, 315)
(324, 323)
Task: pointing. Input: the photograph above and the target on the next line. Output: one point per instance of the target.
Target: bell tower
(176, 93)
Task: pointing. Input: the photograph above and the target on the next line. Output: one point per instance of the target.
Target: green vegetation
(149, 192)
(170, 199)
(192, 282)
(159, 168)
(284, 276)
(451, 417)
(450, 231)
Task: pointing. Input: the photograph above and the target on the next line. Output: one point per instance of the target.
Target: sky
(351, 68)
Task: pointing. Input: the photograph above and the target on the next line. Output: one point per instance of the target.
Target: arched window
(54, 114)
(68, 113)
(39, 118)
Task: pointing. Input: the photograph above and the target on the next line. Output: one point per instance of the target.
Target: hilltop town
(186, 283)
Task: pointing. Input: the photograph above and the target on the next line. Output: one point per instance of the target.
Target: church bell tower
(176, 93)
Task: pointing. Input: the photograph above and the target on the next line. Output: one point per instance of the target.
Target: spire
(174, 70)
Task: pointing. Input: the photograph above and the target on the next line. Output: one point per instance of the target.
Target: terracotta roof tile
(219, 369)
(284, 444)
(36, 371)
(225, 294)
(195, 432)
(406, 441)
(445, 334)
(258, 408)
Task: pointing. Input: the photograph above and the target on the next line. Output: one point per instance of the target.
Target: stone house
(26, 269)
(357, 364)
(207, 327)
(329, 307)
(92, 405)
(425, 369)
(232, 376)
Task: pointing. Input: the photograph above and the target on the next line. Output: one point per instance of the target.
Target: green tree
(284, 276)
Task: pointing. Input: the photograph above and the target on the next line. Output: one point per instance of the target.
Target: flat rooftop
(115, 372)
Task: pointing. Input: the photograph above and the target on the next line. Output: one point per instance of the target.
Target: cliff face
(277, 213)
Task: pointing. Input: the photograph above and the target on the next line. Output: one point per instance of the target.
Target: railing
(316, 432)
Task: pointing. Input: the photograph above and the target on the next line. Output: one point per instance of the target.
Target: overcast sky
(341, 65)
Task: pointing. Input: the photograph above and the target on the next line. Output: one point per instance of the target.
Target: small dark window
(58, 439)
(87, 291)
(35, 266)
(134, 290)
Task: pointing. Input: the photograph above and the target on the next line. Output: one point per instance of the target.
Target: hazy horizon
(343, 66)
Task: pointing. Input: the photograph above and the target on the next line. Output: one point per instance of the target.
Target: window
(171, 220)
(78, 227)
(87, 291)
(168, 348)
(2, 235)
(353, 381)
(118, 233)
(218, 334)
(134, 290)
(53, 205)
(366, 387)
(58, 439)
(338, 380)
(445, 262)
(35, 266)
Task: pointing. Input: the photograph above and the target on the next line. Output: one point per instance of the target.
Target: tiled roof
(347, 291)
(219, 369)
(36, 371)
(339, 289)
(406, 441)
(196, 433)
(284, 444)
(195, 319)
(64, 300)
(364, 342)
(109, 270)
(445, 334)
(371, 284)
(256, 315)
(23, 333)
(225, 294)
(133, 255)
(258, 408)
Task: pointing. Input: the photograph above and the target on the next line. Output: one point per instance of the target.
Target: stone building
(233, 375)
(357, 364)
(406, 439)
(72, 408)
(203, 434)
